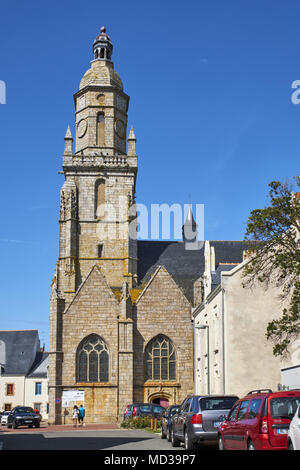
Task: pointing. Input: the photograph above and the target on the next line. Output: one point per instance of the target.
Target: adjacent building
(23, 371)
(232, 353)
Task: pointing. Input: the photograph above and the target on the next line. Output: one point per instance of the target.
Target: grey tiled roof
(185, 266)
(39, 367)
(216, 276)
(18, 351)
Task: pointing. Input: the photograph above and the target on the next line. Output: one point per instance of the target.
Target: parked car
(198, 419)
(259, 421)
(293, 439)
(4, 417)
(143, 409)
(166, 421)
(23, 416)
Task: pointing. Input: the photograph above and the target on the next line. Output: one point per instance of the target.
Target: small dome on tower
(102, 46)
(102, 71)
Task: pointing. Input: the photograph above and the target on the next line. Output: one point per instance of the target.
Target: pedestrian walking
(75, 416)
(81, 415)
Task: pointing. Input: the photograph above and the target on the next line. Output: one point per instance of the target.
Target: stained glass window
(93, 360)
(160, 360)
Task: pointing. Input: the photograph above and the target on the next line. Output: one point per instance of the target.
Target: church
(121, 326)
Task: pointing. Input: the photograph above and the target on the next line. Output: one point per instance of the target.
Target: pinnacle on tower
(68, 133)
(68, 142)
(131, 143)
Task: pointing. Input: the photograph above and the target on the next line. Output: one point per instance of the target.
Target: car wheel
(168, 434)
(37, 425)
(174, 441)
(188, 443)
(221, 443)
(163, 436)
(251, 446)
(15, 426)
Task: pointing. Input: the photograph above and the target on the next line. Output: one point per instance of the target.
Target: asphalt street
(107, 440)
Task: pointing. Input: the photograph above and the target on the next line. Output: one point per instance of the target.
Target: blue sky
(210, 87)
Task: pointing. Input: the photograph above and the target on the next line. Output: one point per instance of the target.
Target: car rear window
(218, 403)
(284, 407)
(145, 408)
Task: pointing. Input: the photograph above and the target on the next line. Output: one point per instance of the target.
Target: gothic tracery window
(93, 360)
(160, 360)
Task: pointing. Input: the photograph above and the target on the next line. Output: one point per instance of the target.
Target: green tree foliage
(273, 233)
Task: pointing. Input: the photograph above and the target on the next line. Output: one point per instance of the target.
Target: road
(79, 439)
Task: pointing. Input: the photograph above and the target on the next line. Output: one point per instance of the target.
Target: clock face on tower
(81, 128)
(120, 128)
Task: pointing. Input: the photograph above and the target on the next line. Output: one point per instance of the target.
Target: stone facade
(96, 291)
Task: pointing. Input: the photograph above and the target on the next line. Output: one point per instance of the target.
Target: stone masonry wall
(163, 309)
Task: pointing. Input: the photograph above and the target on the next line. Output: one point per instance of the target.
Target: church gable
(93, 312)
(95, 295)
(162, 289)
(94, 305)
(162, 310)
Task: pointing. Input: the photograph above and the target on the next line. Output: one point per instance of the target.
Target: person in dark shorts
(81, 414)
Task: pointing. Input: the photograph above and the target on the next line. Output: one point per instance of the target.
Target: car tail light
(196, 419)
(134, 411)
(263, 428)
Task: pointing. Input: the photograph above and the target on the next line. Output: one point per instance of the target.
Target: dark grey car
(198, 419)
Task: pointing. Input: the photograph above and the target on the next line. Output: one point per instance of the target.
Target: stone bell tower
(100, 179)
(95, 246)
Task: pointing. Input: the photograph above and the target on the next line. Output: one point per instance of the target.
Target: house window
(92, 360)
(7, 407)
(38, 388)
(10, 389)
(160, 360)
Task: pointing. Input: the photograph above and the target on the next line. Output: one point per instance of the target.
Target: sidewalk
(59, 428)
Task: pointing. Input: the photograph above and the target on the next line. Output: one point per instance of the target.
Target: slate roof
(185, 266)
(18, 351)
(216, 276)
(40, 365)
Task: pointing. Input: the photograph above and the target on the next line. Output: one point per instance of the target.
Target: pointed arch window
(160, 359)
(92, 360)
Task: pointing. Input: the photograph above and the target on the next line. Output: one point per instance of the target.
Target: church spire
(190, 229)
(102, 46)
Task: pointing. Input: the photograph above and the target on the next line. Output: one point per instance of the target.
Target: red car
(259, 421)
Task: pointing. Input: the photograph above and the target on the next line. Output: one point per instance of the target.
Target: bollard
(155, 424)
(151, 423)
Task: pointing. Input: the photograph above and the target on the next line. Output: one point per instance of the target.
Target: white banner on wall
(70, 397)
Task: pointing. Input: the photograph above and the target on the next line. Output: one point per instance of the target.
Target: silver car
(198, 419)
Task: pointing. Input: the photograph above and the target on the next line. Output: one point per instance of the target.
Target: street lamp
(203, 327)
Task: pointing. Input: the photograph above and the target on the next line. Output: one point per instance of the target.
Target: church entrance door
(162, 401)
